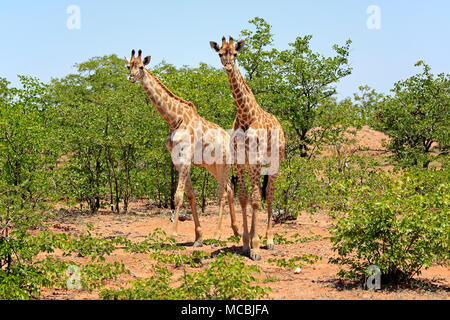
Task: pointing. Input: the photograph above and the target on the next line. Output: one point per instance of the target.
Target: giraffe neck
(172, 109)
(246, 106)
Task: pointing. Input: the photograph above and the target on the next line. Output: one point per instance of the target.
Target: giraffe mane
(245, 83)
(170, 93)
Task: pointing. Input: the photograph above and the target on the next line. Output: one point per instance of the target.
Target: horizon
(385, 44)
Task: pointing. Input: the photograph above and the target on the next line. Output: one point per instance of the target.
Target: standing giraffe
(261, 131)
(189, 133)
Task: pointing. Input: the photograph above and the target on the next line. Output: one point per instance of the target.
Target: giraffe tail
(264, 187)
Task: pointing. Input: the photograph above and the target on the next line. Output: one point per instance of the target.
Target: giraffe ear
(146, 60)
(127, 60)
(214, 46)
(240, 45)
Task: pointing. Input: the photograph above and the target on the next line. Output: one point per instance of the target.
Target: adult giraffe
(190, 135)
(264, 145)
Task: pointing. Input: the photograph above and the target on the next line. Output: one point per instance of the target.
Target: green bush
(402, 228)
(226, 278)
(297, 188)
(416, 116)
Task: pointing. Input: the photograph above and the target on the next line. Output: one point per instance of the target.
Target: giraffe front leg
(183, 171)
(269, 196)
(218, 232)
(230, 195)
(255, 172)
(243, 200)
(198, 229)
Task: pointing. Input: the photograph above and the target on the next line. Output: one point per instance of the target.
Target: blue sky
(36, 40)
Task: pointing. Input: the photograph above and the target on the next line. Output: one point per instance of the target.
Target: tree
(366, 104)
(416, 116)
(297, 85)
(307, 86)
(27, 157)
(107, 127)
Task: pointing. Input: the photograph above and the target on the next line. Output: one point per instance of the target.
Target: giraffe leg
(230, 195)
(269, 196)
(225, 188)
(255, 176)
(198, 229)
(183, 171)
(221, 182)
(243, 200)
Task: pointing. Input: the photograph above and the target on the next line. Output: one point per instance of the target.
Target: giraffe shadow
(186, 244)
(234, 250)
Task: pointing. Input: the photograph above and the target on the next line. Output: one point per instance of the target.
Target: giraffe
(261, 130)
(187, 128)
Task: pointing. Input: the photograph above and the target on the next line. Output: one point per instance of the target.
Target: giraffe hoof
(246, 252)
(255, 256)
(270, 246)
(198, 244)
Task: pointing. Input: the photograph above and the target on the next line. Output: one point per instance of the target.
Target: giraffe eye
(220, 55)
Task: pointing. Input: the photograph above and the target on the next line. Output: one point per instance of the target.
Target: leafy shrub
(295, 262)
(297, 188)
(416, 116)
(402, 228)
(226, 278)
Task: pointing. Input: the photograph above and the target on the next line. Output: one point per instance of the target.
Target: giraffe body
(189, 135)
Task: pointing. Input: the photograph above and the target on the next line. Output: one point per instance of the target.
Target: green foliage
(295, 262)
(307, 88)
(215, 242)
(107, 129)
(367, 102)
(156, 287)
(95, 139)
(226, 278)
(416, 116)
(297, 188)
(234, 239)
(26, 274)
(400, 226)
(298, 86)
(156, 240)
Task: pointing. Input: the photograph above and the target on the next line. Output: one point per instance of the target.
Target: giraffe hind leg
(269, 196)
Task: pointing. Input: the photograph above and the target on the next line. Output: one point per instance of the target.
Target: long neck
(169, 106)
(246, 105)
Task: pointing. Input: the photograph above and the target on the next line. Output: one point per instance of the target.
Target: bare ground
(316, 281)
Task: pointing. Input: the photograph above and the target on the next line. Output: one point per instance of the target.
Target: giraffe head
(227, 52)
(136, 65)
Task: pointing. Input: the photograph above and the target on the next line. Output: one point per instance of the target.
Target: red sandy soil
(316, 281)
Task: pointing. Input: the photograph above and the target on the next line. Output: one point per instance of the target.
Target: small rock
(297, 271)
